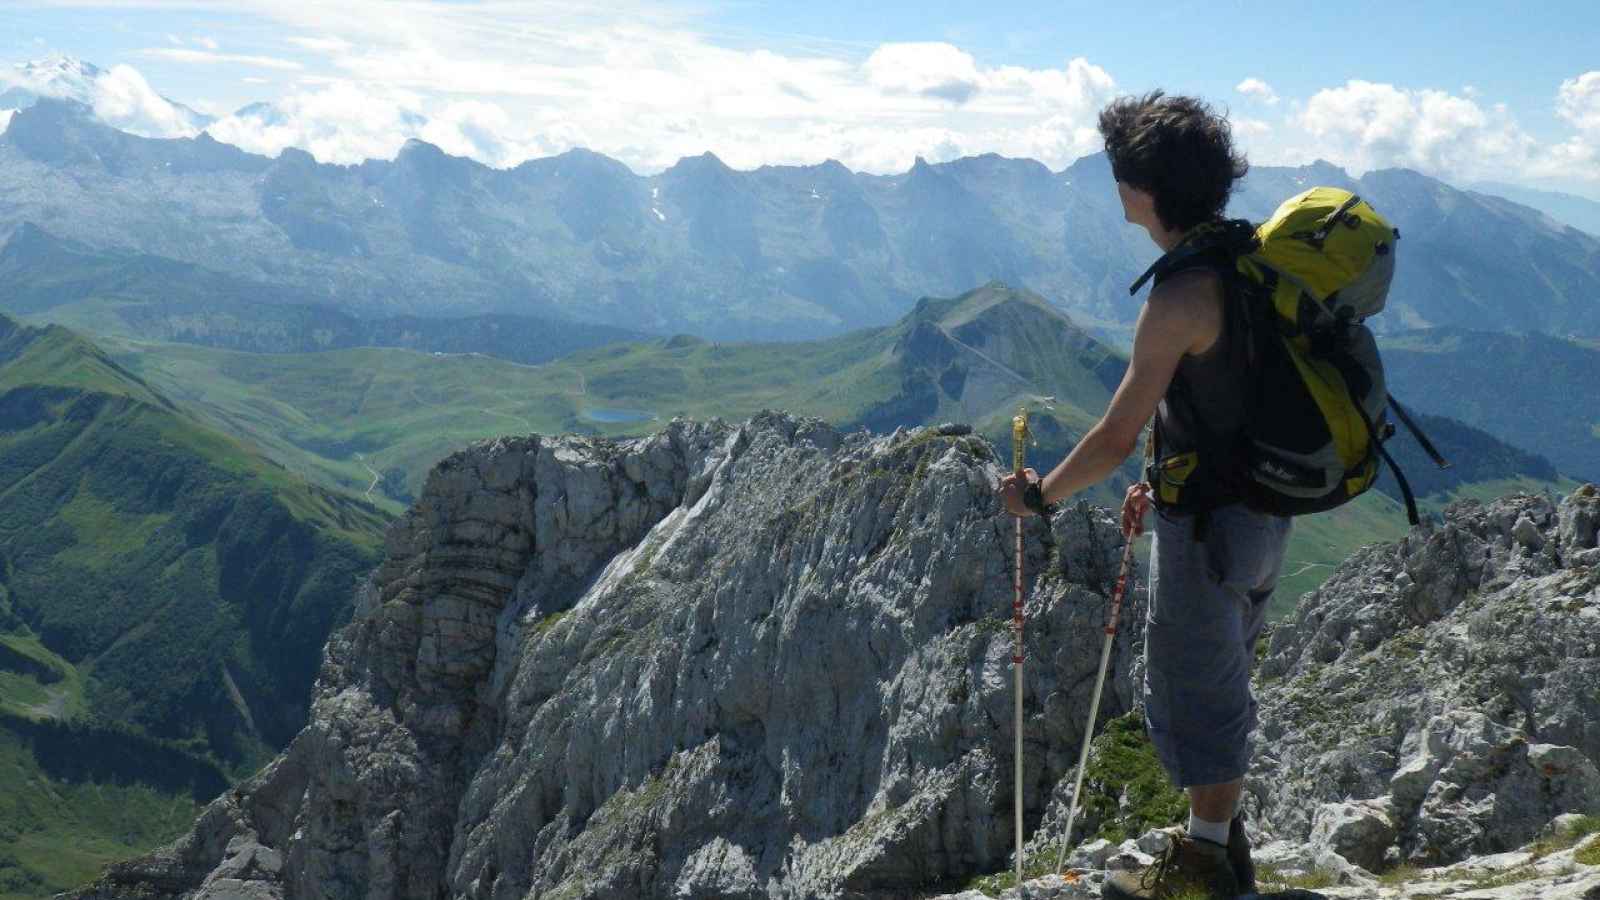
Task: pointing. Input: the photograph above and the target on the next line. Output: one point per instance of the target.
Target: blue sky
(1516, 52)
(1466, 90)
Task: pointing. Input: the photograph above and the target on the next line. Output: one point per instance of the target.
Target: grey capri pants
(1208, 601)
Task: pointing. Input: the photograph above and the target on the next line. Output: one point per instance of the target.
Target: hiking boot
(1244, 868)
(1187, 868)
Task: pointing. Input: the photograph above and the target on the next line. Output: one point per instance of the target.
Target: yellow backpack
(1303, 282)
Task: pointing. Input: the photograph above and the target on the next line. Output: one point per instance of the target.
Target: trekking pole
(1117, 592)
(1019, 436)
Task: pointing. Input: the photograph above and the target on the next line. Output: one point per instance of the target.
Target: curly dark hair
(1176, 149)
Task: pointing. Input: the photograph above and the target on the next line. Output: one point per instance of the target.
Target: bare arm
(1183, 315)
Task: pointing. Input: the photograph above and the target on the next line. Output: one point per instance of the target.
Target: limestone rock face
(759, 661)
(1436, 703)
(1360, 832)
(1439, 695)
(773, 661)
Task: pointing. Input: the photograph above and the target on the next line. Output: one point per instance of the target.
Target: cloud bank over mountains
(505, 82)
(1367, 125)
(120, 96)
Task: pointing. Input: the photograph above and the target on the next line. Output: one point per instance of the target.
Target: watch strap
(1033, 498)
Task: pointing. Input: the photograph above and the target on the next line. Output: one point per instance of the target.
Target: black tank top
(1204, 406)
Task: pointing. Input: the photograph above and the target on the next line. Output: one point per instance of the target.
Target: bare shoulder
(1189, 303)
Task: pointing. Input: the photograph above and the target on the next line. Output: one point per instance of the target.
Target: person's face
(1137, 206)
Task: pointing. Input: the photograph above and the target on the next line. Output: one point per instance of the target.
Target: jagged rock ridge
(769, 660)
(1440, 696)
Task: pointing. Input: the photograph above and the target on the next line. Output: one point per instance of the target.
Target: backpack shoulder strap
(1211, 245)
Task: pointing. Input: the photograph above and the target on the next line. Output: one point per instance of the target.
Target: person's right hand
(1010, 490)
(1134, 507)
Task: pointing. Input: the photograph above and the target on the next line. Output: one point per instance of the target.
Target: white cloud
(1256, 89)
(930, 69)
(321, 44)
(1247, 130)
(945, 74)
(479, 130)
(1578, 101)
(346, 123)
(1363, 125)
(338, 122)
(1387, 124)
(120, 96)
(5, 119)
(637, 81)
(641, 81)
(501, 80)
(124, 99)
(190, 55)
(1367, 125)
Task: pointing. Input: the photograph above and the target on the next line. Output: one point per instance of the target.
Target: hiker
(1212, 570)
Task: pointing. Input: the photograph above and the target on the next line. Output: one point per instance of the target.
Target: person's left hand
(1010, 491)
(1134, 507)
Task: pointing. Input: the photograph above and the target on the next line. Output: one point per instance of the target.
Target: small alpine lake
(611, 415)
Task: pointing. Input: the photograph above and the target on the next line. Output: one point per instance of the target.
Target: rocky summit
(1439, 697)
(1430, 720)
(762, 660)
(773, 660)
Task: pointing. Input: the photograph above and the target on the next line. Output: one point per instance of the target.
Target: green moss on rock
(1127, 792)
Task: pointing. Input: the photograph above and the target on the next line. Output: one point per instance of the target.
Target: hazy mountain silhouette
(779, 252)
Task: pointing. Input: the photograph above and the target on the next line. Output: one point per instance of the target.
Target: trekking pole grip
(1019, 440)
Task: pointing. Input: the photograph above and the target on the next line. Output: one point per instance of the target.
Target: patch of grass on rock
(1400, 874)
(1283, 881)
(1588, 854)
(992, 885)
(1125, 788)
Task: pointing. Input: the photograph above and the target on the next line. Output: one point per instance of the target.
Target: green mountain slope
(1532, 390)
(371, 421)
(76, 796)
(376, 419)
(165, 592)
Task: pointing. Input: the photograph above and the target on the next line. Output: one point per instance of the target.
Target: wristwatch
(1033, 498)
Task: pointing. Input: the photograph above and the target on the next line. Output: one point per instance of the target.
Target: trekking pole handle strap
(1033, 498)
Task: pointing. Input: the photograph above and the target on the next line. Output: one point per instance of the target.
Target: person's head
(1173, 159)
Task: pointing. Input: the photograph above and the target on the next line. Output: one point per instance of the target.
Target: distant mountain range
(1569, 209)
(773, 253)
(154, 298)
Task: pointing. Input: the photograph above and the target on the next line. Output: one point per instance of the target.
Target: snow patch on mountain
(119, 96)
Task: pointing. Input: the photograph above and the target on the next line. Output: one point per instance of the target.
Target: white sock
(1215, 832)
